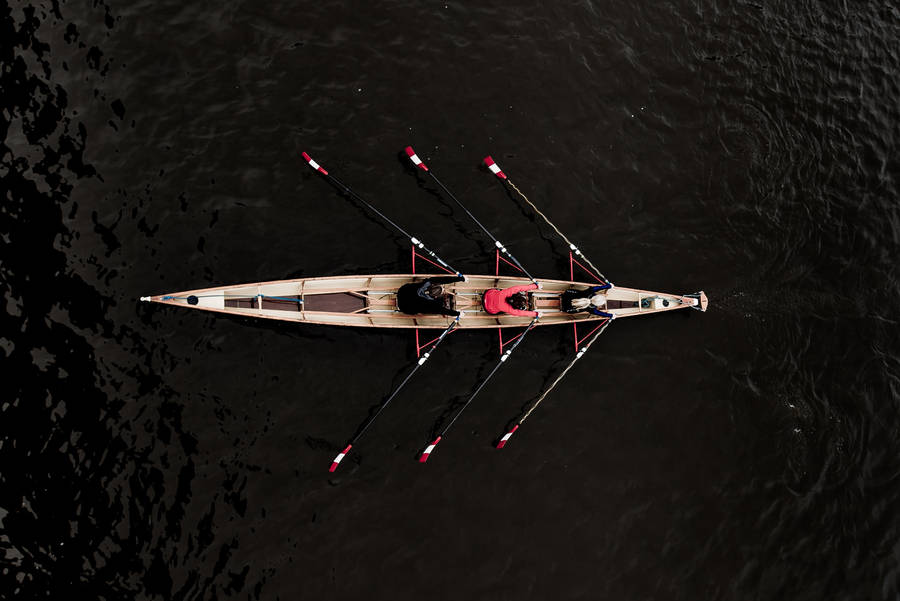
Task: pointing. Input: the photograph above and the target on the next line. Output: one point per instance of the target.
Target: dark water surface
(748, 149)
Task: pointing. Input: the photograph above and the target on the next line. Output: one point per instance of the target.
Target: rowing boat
(370, 301)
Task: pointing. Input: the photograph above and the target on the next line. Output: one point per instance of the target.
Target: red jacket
(497, 301)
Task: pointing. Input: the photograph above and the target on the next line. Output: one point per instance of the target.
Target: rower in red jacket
(513, 301)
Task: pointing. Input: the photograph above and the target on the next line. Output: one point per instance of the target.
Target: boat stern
(192, 298)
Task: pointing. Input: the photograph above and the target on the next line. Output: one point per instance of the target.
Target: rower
(428, 297)
(512, 301)
(590, 300)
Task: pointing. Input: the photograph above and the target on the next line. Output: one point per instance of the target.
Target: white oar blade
(339, 458)
(314, 164)
(415, 158)
(507, 436)
(494, 167)
(427, 452)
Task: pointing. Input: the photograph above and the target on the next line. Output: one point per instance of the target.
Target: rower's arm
(446, 280)
(516, 289)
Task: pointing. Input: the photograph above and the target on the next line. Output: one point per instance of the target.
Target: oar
(418, 163)
(534, 405)
(427, 452)
(346, 190)
(368, 422)
(495, 169)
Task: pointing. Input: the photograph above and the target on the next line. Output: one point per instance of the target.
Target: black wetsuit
(414, 298)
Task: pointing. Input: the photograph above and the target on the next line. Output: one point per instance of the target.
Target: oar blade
(314, 164)
(428, 450)
(507, 436)
(494, 167)
(415, 158)
(339, 458)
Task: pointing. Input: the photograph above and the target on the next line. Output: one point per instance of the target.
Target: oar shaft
(578, 356)
(419, 363)
(462, 206)
(495, 169)
(497, 243)
(345, 189)
(505, 439)
(340, 456)
(421, 165)
(503, 358)
(349, 192)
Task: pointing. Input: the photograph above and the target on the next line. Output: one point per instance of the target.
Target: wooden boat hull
(370, 301)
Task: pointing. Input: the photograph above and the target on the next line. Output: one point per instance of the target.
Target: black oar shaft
(559, 378)
(418, 243)
(505, 439)
(497, 243)
(495, 169)
(349, 192)
(503, 358)
(421, 165)
(419, 363)
(345, 189)
(430, 447)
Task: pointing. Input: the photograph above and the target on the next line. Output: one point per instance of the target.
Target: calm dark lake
(745, 149)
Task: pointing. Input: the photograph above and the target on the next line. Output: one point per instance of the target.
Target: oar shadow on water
(558, 255)
(448, 210)
(368, 216)
(456, 402)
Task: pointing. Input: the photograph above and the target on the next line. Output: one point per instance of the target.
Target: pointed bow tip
(146, 299)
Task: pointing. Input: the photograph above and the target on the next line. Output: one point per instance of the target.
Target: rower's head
(598, 300)
(519, 301)
(435, 291)
(580, 303)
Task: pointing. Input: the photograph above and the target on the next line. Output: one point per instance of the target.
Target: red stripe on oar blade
(428, 450)
(415, 158)
(507, 436)
(314, 164)
(339, 458)
(494, 167)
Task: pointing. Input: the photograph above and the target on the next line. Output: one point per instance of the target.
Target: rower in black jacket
(427, 297)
